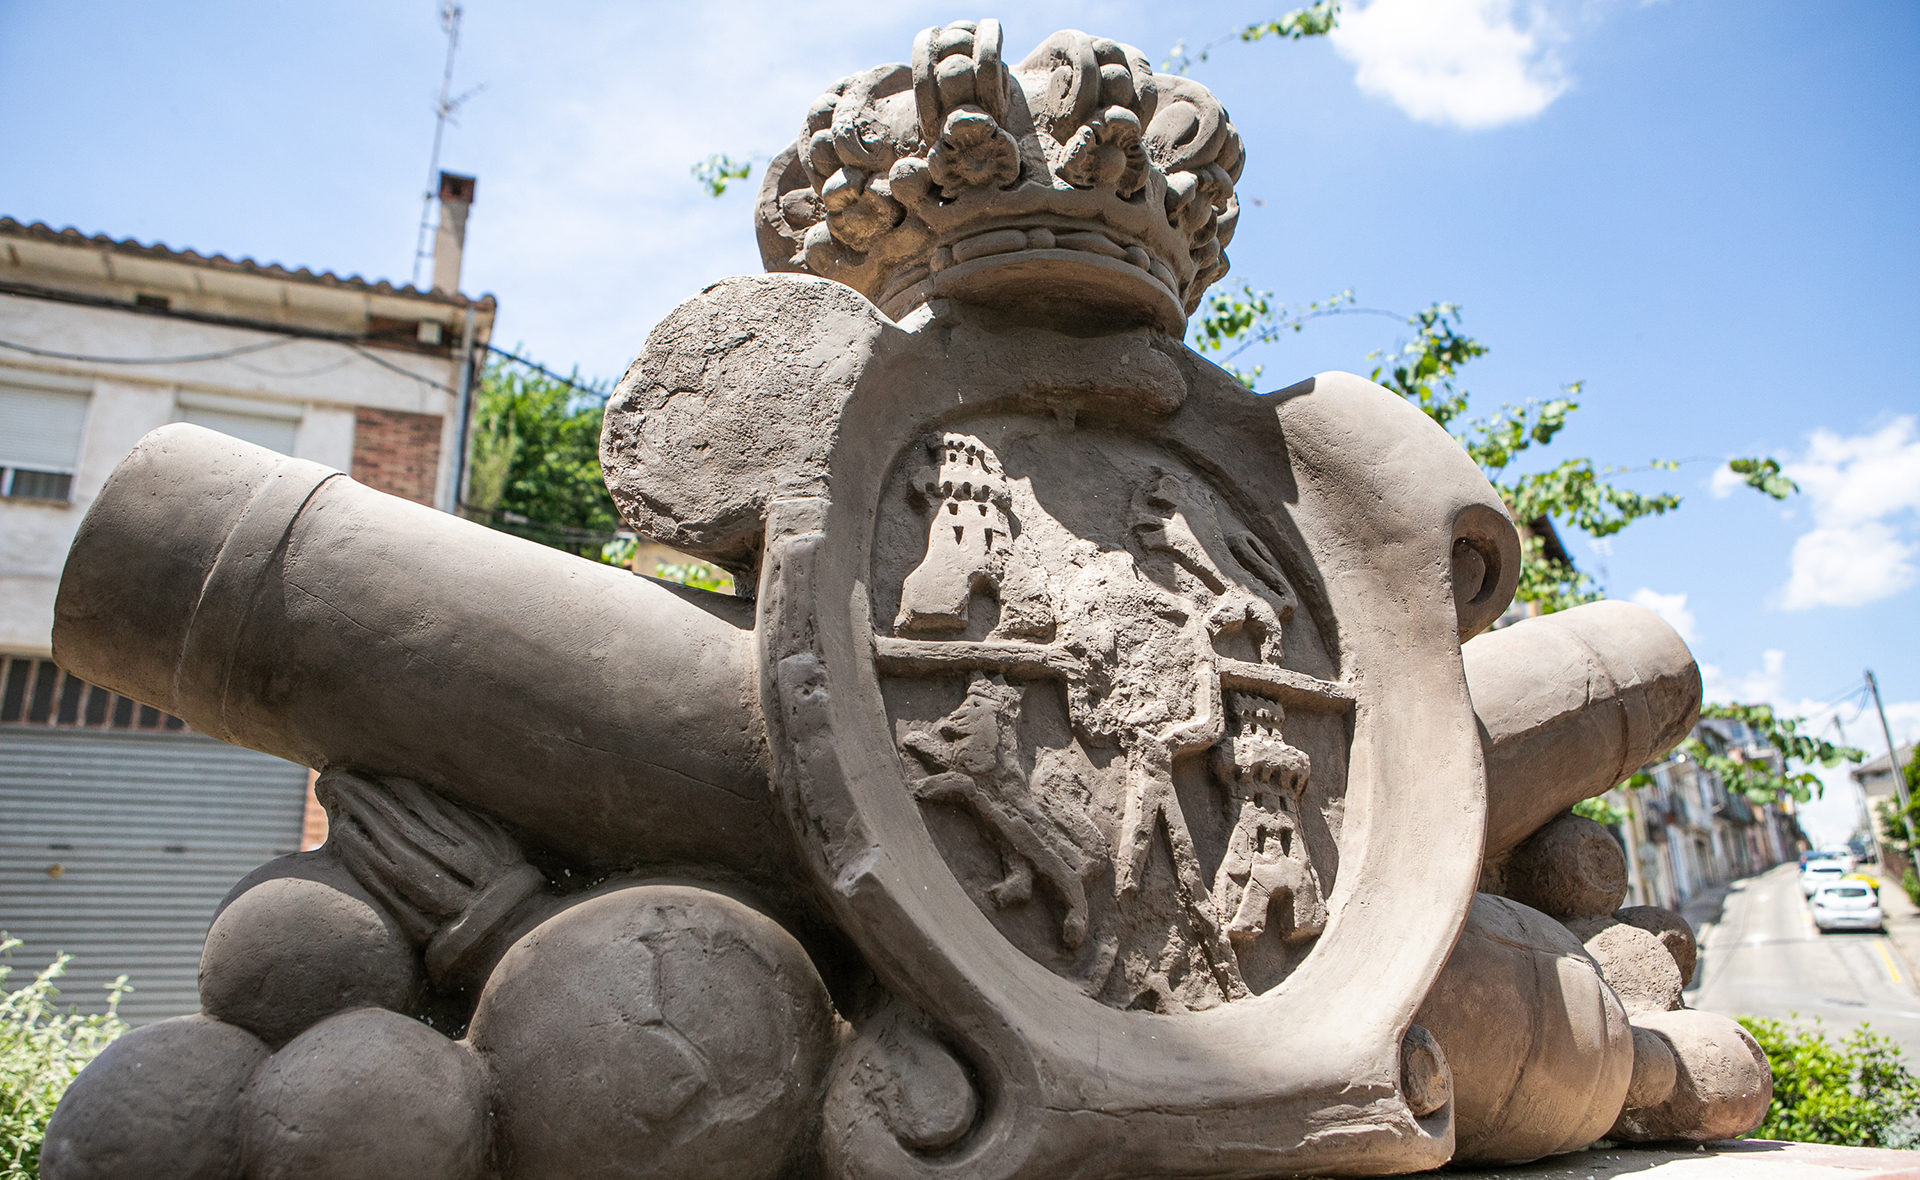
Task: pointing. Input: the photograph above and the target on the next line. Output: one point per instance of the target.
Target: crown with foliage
(1080, 173)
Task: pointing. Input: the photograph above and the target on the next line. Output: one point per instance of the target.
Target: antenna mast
(450, 14)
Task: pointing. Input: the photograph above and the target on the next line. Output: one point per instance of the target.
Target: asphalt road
(1764, 958)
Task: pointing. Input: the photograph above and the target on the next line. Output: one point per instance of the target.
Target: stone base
(1729, 1159)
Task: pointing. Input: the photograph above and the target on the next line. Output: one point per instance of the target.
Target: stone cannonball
(1722, 1082)
(368, 1095)
(1672, 931)
(1540, 1048)
(164, 1100)
(1634, 962)
(655, 1030)
(1571, 868)
(300, 941)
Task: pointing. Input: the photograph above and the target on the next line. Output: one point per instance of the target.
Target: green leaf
(1768, 779)
(42, 1049)
(1315, 20)
(697, 574)
(1423, 370)
(536, 460)
(1859, 1092)
(1763, 475)
(1601, 811)
(717, 170)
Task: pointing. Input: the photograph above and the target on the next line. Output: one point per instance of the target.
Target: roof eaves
(42, 232)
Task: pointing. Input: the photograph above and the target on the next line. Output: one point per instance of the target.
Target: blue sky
(1705, 209)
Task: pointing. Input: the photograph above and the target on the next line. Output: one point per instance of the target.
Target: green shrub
(1857, 1093)
(41, 1049)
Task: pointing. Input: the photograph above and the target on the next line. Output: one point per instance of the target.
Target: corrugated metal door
(116, 847)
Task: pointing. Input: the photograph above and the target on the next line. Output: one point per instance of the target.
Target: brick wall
(396, 452)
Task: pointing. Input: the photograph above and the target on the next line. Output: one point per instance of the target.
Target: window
(40, 432)
(36, 691)
(264, 424)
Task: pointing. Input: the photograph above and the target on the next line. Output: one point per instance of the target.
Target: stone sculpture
(1103, 779)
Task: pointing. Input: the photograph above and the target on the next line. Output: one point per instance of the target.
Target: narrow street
(1764, 958)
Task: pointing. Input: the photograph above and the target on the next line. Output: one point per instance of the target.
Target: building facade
(1881, 795)
(121, 828)
(1685, 832)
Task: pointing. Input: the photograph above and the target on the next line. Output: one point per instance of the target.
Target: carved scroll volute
(1305, 1075)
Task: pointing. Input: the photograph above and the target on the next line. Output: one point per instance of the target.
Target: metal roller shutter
(115, 846)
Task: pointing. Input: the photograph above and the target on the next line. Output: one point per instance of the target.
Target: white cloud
(588, 222)
(1903, 718)
(1469, 63)
(1671, 607)
(1761, 687)
(1865, 493)
(1725, 482)
(1849, 566)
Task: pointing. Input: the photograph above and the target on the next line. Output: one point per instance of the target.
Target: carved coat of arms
(1089, 787)
(1099, 688)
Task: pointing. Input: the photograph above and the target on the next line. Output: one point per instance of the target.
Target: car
(1821, 872)
(1825, 854)
(1850, 905)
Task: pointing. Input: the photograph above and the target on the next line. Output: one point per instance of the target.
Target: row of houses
(1685, 832)
(120, 827)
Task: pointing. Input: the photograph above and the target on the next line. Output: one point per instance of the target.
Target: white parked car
(1821, 872)
(1850, 905)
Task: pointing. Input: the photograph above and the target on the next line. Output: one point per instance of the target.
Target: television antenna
(443, 109)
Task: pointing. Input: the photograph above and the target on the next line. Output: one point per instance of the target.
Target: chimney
(456, 197)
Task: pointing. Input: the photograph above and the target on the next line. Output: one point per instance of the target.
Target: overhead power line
(221, 355)
(596, 391)
(194, 358)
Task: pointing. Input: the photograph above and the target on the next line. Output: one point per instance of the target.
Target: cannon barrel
(277, 604)
(1571, 704)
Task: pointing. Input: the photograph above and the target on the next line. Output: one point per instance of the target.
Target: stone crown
(1078, 177)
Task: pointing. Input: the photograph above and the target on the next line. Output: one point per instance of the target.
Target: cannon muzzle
(277, 604)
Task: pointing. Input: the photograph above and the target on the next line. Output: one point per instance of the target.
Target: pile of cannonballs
(640, 1030)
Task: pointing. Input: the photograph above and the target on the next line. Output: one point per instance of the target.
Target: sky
(1705, 210)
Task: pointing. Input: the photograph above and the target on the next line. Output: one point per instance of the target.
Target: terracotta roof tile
(41, 232)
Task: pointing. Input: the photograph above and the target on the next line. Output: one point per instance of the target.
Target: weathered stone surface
(1095, 783)
(1722, 1083)
(1079, 172)
(1572, 868)
(1635, 963)
(1571, 704)
(631, 736)
(654, 1027)
(164, 1100)
(367, 1095)
(298, 941)
(1531, 1085)
(1672, 931)
(1655, 1070)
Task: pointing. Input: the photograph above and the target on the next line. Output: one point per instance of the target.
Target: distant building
(120, 828)
(1875, 776)
(1685, 832)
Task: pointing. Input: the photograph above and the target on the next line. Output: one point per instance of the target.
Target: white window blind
(40, 428)
(275, 434)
